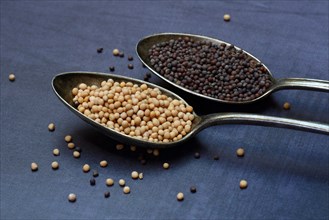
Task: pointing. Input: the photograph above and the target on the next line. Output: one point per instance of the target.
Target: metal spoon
(63, 84)
(143, 46)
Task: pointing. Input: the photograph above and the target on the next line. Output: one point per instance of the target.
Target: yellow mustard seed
(86, 168)
(103, 163)
(116, 52)
(227, 17)
(133, 148)
(55, 165)
(76, 154)
(71, 145)
(51, 127)
(286, 106)
(243, 184)
(126, 190)
(140, 176)
(68, 138)
(109, 182)
(180, 196)
(156, 152)
(11, 77)
(56, 152)
(72, 197)
(166, 165)
(134, 174)
(240, 152)
(122, 182)
(34, 166)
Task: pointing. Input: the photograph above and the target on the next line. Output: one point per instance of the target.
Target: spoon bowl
(63, 84)
(145, 44)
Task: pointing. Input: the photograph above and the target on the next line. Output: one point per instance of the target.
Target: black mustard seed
(196, 155)
(130, 66)
(193, 189)
(99, 50)
(107, 194)
(92, 182)
(111, 68)
(78, 149)
(218, 71)
(95, 173)
(130, 58)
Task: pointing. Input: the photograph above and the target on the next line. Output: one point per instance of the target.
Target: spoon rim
(129, 139)
(218, 41)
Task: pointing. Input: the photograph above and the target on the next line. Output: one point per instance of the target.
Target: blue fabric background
(287, 170)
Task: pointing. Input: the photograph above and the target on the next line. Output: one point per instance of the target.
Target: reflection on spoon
(214, 69)
(64, 83)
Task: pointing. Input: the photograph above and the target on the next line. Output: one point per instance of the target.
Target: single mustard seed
(130, 58)
(71, 145)
(78, 149)
(55, 165)
(146, 79)
(51, 127)
(121, 54)
(126, 190)
(286, 106)
(72, 197)
(149, 151)
(119, 146)
(56, 152)
(86, 168)
(107, 194)
(140, 176)
(156, 152)
(243, 184)
(133, 148)
(180, 196)
(143, 161)
(11, 77)
(122, 182)
(148, 75)
(227, 17)
(95, 173)
(112, 68)
(99, 50)
(68, 138)
(130, 66)
(92, 182)
(109, 182)
(196, 155)
(116, 52)
(76, 154)
(165, 165)
(103, 163)
(216, 157)
(134, 174)
(240, 152)
(193, 189)
(34, 166)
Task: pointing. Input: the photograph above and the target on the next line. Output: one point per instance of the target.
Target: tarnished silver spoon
(63, 84)
(143, 46)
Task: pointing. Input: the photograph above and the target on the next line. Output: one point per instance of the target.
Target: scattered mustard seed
(11, 77)
(55, 165)
(51, 127)
(243, 184)
(72, 197)
(109, 182)
(156, 152)
(56, 152)
(180, 196)
(140, 176)
(126, 189)
(34, 166)
(107, 194)
(227, 17)
(76, 154)
(103, 163)
(70, 145)
(119, 146)
(165, 165)
(134, 174)
(116, 52)
(286, 106)
(240, 152)
(86, 168)
(68, 138)
(133, 148)
(122, 182)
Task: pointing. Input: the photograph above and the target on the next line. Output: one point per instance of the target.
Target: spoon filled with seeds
(214, 69)
(143, 114)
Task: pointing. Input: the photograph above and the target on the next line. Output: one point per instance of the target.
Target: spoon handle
(253, 119)
(300, 83)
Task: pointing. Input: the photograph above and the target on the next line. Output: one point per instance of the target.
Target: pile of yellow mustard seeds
(135, 110)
